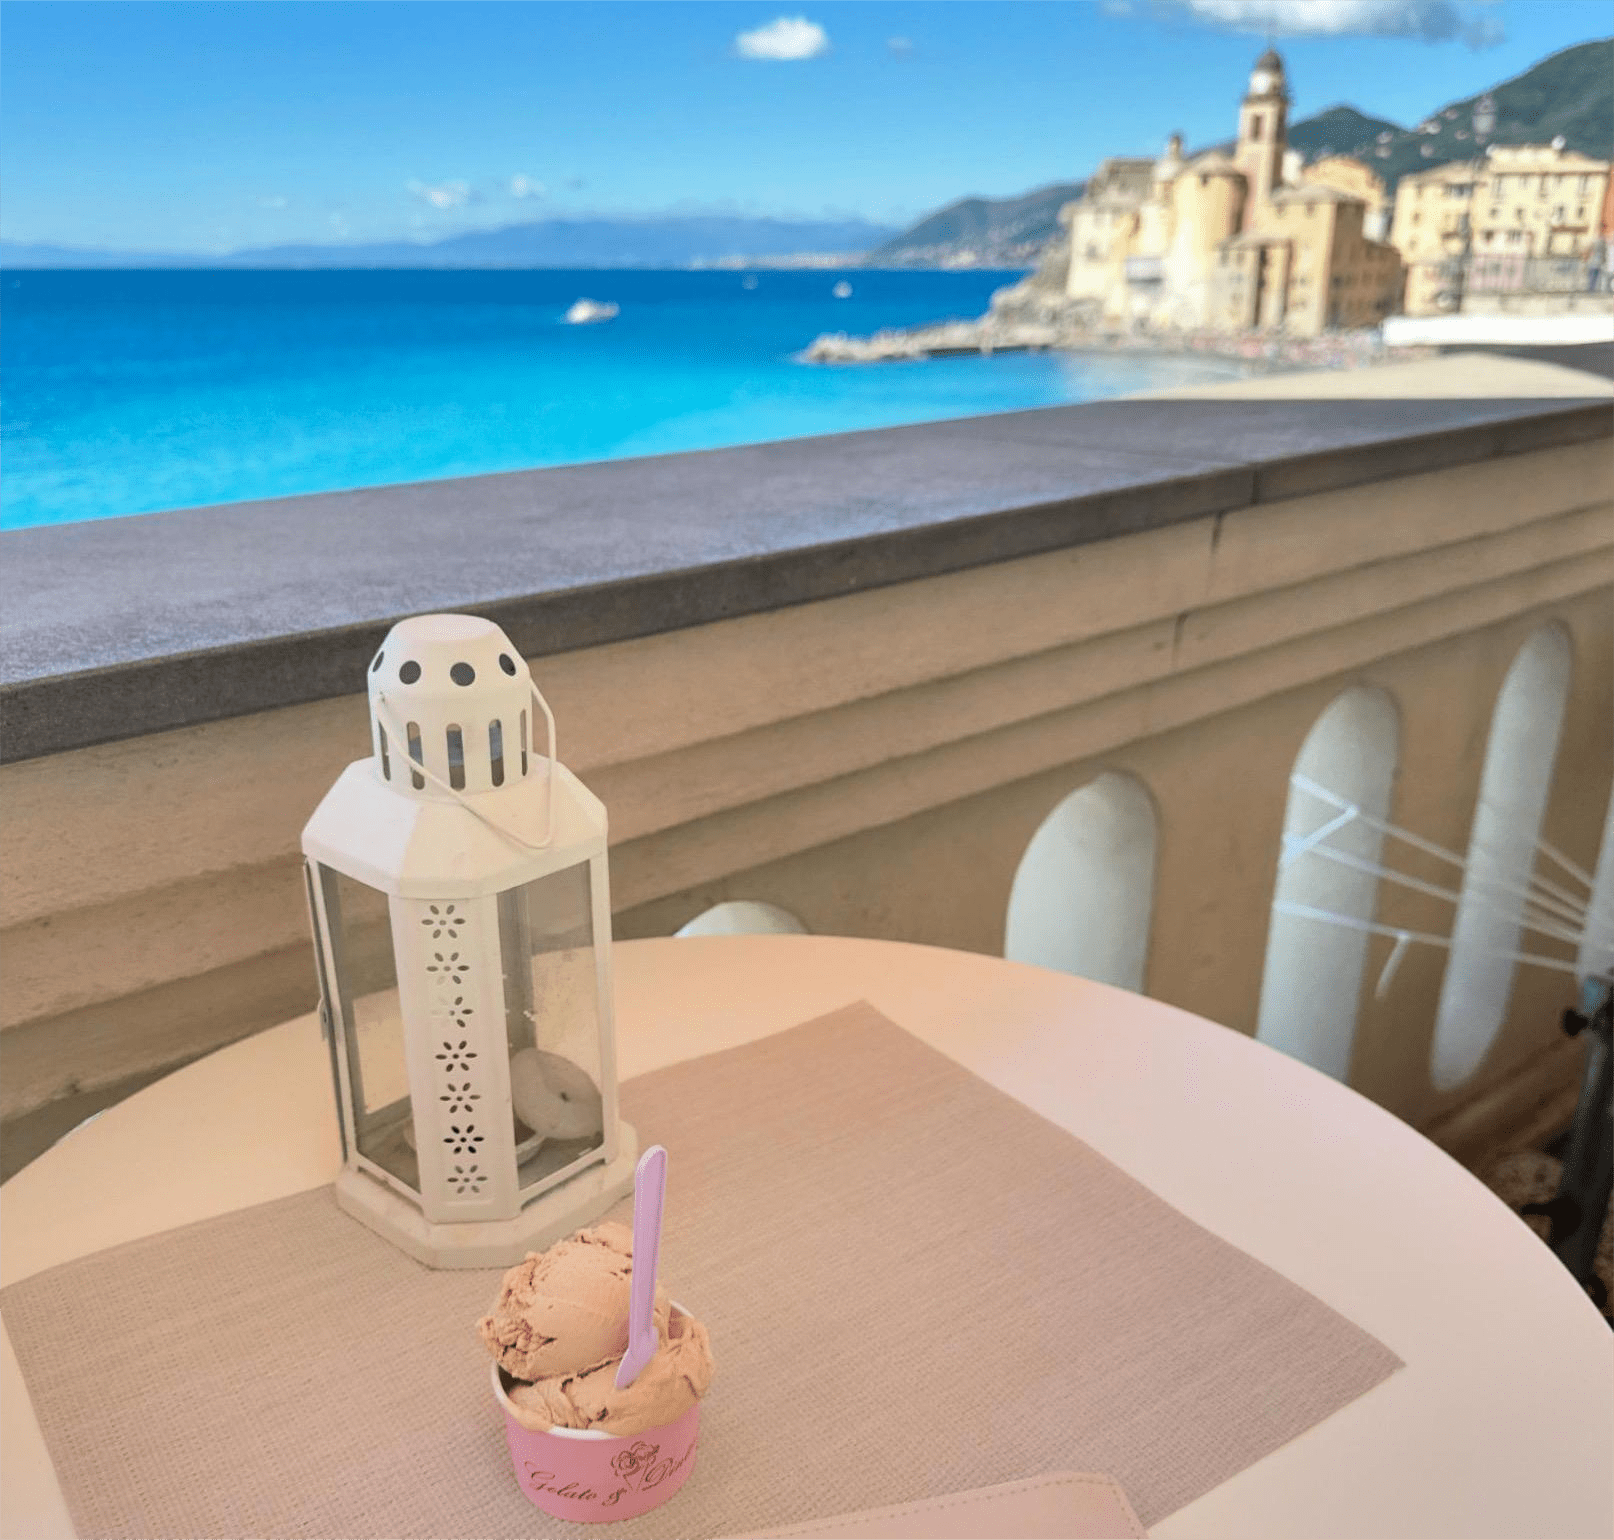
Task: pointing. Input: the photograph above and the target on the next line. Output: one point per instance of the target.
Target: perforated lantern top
(462, 758)
(453, 691)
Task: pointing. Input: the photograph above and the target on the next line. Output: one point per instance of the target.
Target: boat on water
(585, 312)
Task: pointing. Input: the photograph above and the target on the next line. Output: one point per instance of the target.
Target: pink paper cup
(592, 1477)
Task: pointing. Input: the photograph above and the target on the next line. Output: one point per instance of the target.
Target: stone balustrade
(849, 677)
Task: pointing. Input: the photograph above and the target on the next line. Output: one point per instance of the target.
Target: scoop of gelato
(564, 1310)
(672, 1382)
(560, 1327)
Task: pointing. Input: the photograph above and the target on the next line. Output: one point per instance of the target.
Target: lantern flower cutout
(458, 886)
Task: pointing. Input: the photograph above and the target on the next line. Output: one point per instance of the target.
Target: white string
(1565, 897)
(1391, 963)
(1294, 847)
(1543, 925)
(1569, 866)
(389, 727)
(1551, 899)
(1565, 906)
(1350, 922)
(1529, 920)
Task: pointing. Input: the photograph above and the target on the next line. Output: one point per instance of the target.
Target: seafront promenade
(992, 333)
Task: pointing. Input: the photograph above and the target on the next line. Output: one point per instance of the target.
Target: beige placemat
(914, 1284)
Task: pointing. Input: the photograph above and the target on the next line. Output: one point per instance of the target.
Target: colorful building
(1234, 241)
(1520, 204)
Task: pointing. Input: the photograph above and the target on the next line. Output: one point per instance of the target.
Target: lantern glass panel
(366, 988)
(552, 1024)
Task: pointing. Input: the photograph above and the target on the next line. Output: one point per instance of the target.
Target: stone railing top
(122, 627)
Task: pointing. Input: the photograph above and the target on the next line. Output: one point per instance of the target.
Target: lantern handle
(389, 727)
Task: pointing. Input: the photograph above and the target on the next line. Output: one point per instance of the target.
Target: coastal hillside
(1569, 94)
(981, 232)
(1338, 131)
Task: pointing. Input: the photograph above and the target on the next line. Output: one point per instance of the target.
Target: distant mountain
(981, 232)
(691, 241)
(39, 254)
(1339, 131)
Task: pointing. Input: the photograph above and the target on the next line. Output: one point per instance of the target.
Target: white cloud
(901, 47)
(442, 195)
(1429, 21)
(786, 37)
(524, 186)
(273, 201)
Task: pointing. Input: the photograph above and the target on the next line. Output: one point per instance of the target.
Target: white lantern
(462, 921)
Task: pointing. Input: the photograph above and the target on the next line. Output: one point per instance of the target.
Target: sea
(128, 392)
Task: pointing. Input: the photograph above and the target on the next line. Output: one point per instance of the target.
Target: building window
(1255, 128)
(1083, 897)
(1514, 784)
(1311, 984)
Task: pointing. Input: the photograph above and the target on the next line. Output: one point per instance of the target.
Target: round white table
(1502, 1422)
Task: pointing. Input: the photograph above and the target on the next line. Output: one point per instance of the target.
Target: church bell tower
(1263, 131)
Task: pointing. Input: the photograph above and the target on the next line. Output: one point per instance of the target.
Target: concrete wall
(1515, 330)
(877, 764)
(1503, 303)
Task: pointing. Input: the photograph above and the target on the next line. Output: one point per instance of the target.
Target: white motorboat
(588, 311)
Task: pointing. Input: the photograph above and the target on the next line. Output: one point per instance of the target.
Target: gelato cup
(592, 1477)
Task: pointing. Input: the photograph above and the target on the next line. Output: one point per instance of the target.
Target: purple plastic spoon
(649, 1188)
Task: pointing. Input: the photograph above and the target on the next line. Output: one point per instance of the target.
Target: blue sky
(205, 126)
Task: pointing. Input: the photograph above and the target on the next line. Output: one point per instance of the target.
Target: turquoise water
(128, 392)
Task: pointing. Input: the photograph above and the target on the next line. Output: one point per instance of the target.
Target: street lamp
(1458, 244)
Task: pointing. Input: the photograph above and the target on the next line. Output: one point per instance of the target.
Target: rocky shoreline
(1021, 321)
